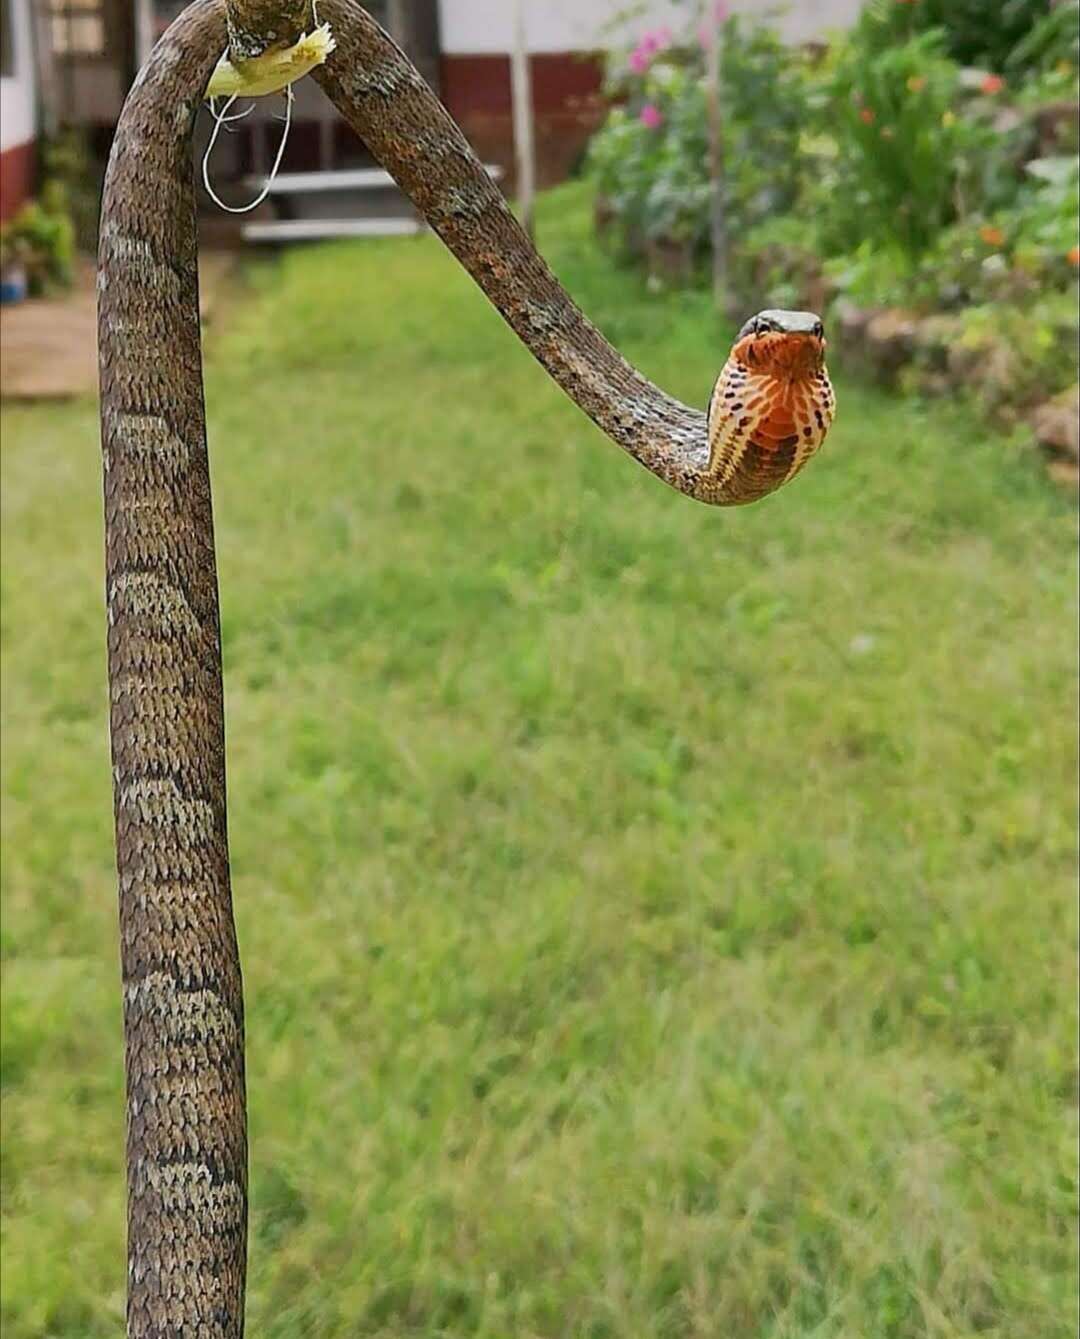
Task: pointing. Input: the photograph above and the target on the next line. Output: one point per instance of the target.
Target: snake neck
(387, 102)
(770, 412)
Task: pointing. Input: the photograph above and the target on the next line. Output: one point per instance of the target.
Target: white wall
(584, 25)
(17, 103)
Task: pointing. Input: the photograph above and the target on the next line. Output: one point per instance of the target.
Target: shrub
(68, 164)
(911, 159)
(1051, 43)
(993, 33)
(766, 101)
(1007, 256)
(42, 237)
(650, 159)
(883, 171)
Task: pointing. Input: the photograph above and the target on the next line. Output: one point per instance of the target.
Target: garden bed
(917, 183)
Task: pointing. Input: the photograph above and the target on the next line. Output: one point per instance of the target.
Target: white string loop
(223, 119)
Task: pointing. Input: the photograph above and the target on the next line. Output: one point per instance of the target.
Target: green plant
(677, 200)
(1053, 42)
(766, 96)
(881, 171)
(1007, 256)
(68, 163)
(12, 247)
(908, 163)
(650, 160)
(991, 33)
(1007, 357)
(42, 237)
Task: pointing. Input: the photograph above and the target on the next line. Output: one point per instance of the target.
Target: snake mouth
(786, 356)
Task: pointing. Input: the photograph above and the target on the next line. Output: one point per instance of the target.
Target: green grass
(657, 921)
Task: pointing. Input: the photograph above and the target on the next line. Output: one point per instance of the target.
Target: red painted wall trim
(481, 83)
(567, 102)
(16, 178)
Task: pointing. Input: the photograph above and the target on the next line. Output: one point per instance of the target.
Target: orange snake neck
(770, 412)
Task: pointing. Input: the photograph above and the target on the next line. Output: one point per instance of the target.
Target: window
(7, 49)
(77, 27)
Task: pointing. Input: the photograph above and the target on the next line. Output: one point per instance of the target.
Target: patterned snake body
(183, 1009)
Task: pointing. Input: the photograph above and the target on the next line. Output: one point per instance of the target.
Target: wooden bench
(319, 204)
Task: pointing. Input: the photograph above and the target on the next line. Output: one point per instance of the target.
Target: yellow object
(272, 71)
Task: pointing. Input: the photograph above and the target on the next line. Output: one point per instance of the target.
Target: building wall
(17, 111)
(473, 26)
(564, 38)
(567, 107)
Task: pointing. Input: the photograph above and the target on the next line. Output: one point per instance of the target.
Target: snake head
(787, 343)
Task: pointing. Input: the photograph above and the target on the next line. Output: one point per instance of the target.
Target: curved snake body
(183, 1010)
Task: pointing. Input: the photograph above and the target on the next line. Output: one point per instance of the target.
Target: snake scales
(183, 1008)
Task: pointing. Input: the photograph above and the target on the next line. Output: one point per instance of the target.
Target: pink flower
(651, 116)
(993, 83)
(649, 45)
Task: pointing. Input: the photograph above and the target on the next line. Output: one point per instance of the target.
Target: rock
(849, 320)
(964, 357)
(1057, 425)
(848, 326)
(934, 337)
(1000, 374)
(890, 341)
(991, 367)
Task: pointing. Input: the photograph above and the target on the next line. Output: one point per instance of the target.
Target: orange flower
(993, 83)
(992, 236)
(866, 116)
(916, 83)
(1073, 256)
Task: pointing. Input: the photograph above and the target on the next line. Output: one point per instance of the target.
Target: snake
(770, 409)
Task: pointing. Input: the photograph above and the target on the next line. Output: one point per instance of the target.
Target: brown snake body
(183, 1008)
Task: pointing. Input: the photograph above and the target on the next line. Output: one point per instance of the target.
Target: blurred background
(656, 921)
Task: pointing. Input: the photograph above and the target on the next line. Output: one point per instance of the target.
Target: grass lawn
(657, 921)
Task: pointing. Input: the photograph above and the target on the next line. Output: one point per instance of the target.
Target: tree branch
(258, 26)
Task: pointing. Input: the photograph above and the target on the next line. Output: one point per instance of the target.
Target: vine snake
(183, 1008)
